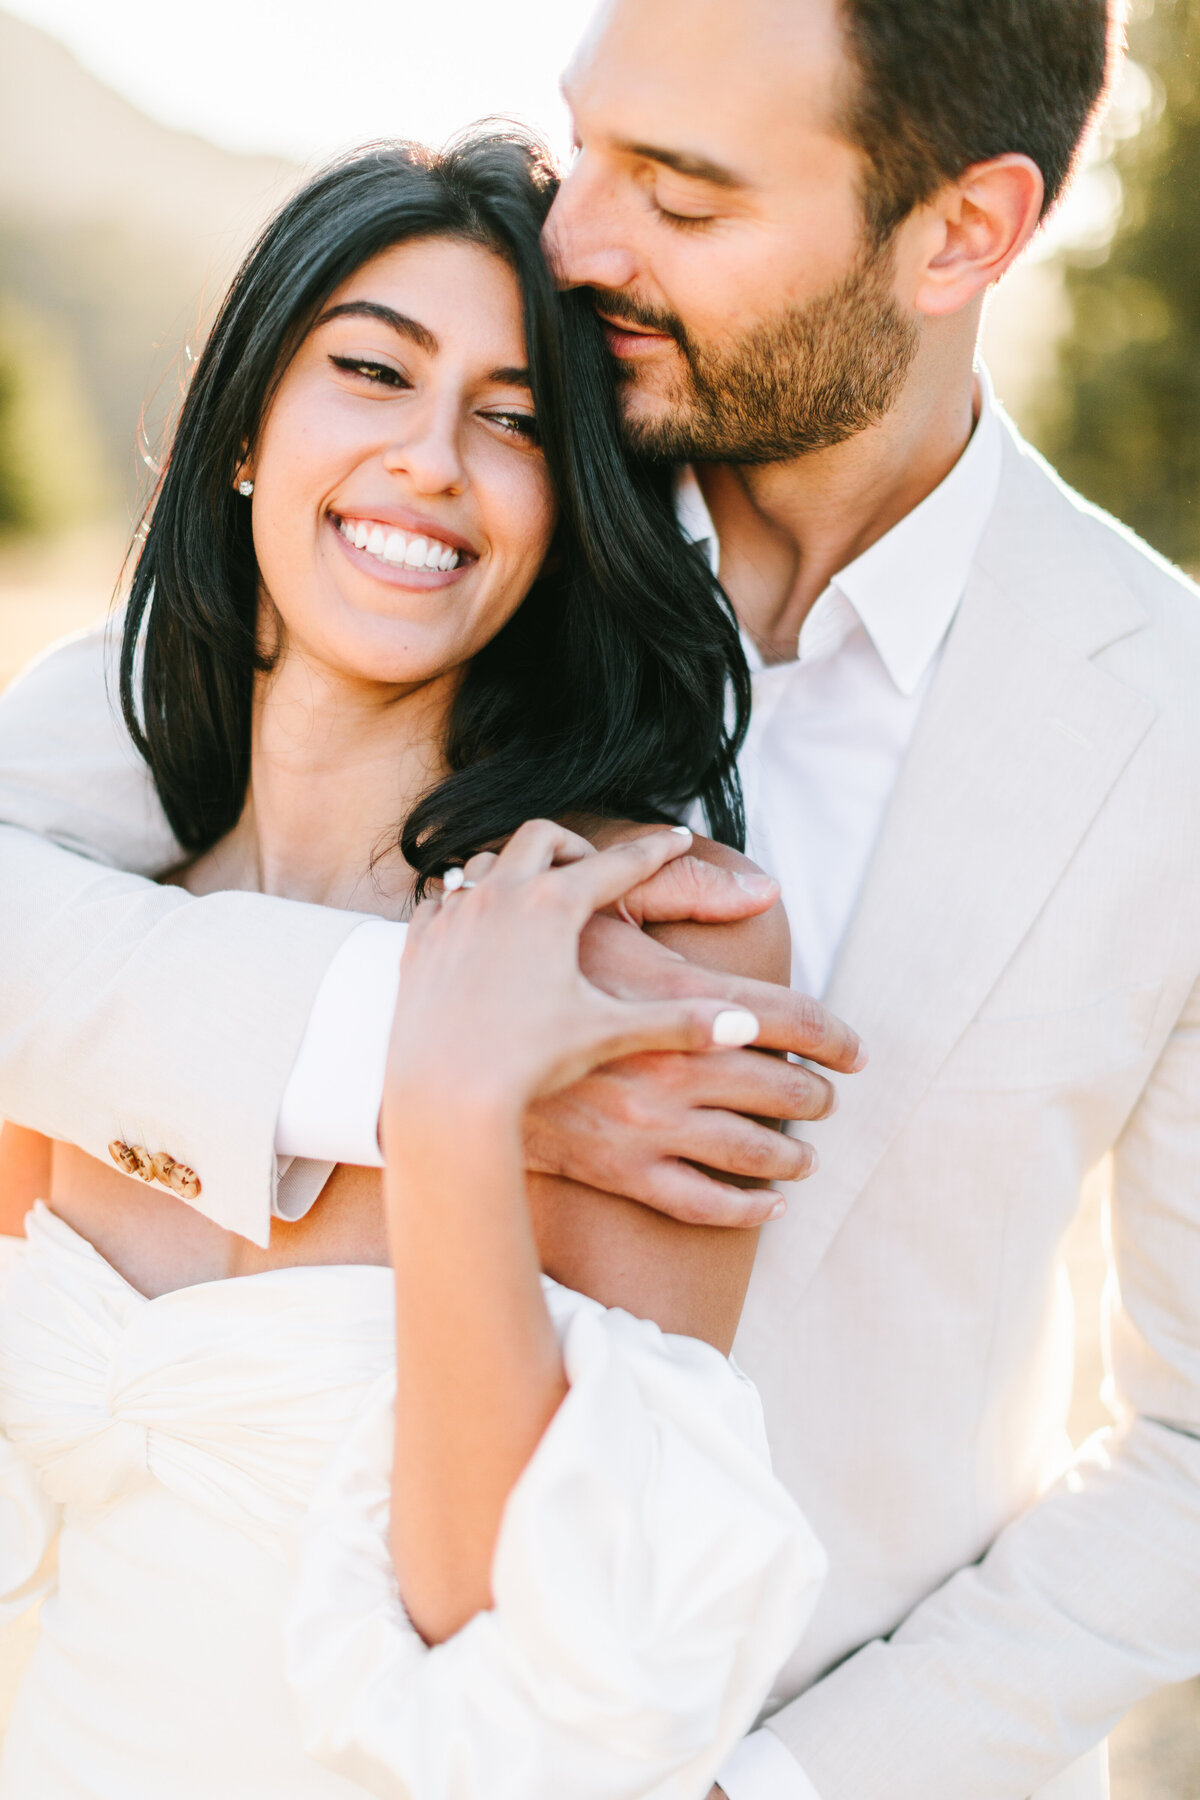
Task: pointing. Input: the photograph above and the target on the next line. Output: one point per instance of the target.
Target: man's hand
(639, 1127)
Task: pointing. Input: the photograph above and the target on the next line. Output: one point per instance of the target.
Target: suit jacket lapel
(1019, 741)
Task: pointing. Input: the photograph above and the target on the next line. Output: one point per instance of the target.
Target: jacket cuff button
(162, 1164)
(184, 1181)
(123, 1156)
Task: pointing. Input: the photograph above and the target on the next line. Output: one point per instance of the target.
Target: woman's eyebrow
(412, 329)
(415, 332)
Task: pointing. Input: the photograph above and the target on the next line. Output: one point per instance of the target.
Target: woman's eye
(381, 373)
(519, 423)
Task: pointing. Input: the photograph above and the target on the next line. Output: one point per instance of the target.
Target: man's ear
(973, 230)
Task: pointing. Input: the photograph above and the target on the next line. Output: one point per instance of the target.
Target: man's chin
(655, 423)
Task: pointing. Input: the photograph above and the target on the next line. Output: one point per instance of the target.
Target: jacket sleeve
(128, 1010)
(1091, 1599)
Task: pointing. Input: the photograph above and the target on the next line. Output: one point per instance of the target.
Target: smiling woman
(580, 653)
(415, 368)
(521, 630)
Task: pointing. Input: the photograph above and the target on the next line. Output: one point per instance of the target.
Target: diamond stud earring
(245, 488)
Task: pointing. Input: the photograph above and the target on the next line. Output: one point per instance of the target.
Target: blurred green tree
(1124, 423)
(52, 465)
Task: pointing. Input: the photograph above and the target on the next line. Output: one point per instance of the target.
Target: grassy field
(47, 592)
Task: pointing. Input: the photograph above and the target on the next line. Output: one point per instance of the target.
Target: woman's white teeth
(398, 548)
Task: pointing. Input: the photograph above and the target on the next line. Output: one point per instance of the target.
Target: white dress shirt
(828, 735)
(829, 729)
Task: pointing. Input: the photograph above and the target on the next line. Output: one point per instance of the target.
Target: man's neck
(785, 530)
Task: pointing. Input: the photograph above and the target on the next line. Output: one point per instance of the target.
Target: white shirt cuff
(330, 1108)
(762, 1768)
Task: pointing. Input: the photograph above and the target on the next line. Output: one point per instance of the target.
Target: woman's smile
(411, 554)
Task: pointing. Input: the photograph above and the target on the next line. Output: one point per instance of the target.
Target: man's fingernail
(758, 885)
(681, 831)
(778, 1210)
(734, 1028)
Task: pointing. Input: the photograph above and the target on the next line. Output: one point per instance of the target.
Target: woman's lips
(397, 574)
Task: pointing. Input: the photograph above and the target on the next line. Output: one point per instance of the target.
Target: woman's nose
(430, 455)
(582, 236)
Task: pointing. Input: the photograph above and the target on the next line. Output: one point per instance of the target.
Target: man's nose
(583, 236)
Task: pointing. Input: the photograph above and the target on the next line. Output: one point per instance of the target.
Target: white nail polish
(681, 831)
(734, 1028)
(778, 1210)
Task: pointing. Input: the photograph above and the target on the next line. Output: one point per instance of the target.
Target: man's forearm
(136, 1013)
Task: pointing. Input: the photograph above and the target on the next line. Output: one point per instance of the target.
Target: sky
(307, 77)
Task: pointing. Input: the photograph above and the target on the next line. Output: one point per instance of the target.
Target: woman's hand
(493, 1011)
(493, 1008)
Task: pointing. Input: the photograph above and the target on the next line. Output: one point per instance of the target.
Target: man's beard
(804, 380)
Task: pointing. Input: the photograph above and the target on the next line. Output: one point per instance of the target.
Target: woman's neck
(336, 767)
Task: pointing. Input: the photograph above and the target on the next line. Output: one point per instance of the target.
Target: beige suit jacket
(1023, 964)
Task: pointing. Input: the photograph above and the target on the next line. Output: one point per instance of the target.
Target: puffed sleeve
(651, 1577)
(28, 1521)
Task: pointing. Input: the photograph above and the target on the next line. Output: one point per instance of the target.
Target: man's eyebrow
(697, 168)
(418, 334)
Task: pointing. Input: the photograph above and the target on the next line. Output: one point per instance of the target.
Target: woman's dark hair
(617, 689)
(942, 84)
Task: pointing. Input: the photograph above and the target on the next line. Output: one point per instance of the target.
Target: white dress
(213, 1466)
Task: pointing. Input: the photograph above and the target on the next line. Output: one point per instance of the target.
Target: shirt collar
(907, 586)
(695, 520)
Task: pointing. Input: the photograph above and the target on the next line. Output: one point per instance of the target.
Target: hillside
(115, 232)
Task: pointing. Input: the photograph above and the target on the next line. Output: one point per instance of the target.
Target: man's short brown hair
(943, 84)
